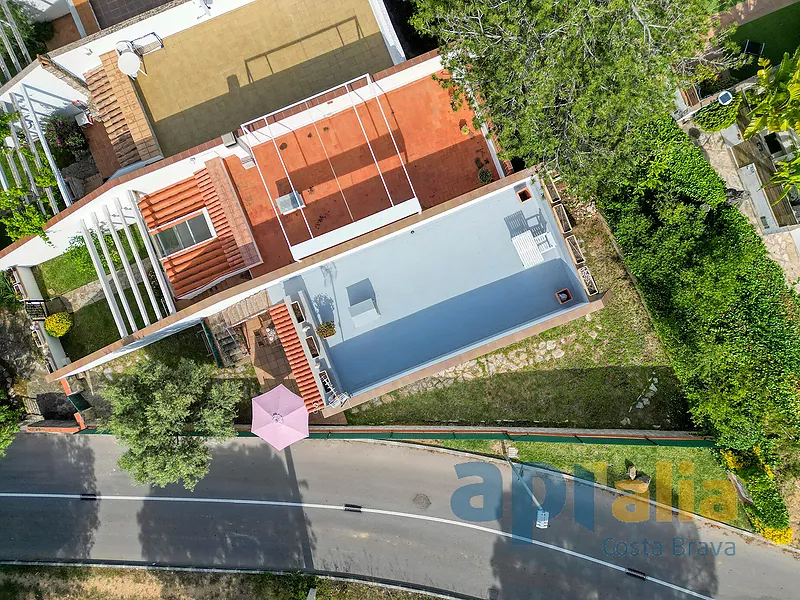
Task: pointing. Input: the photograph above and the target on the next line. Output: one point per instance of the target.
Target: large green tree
(165, 414)
(570, 82)
(776, 98)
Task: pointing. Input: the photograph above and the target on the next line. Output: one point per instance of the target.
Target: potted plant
(563, 296)
(326, 329)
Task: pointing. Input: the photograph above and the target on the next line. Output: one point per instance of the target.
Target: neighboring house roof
(293, 347)
(105, 101)
(199, 267)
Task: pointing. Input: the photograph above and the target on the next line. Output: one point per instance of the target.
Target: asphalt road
(267, 510)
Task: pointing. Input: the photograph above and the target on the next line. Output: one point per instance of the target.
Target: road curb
(676, 511)
(342, 577)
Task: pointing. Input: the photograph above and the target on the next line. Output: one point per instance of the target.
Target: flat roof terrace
(404, 144)
(212, 77)
(450, 284)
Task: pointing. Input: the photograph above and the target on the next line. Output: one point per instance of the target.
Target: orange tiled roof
(297, 358)
(232, 250)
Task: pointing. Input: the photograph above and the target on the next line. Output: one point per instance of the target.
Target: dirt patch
(59, 583)
(792, 497)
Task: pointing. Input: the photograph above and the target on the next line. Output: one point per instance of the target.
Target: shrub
(63, 133)
(768, 513)
(9, 426)
(485, 176)
(8, 297)
(723, 311)
(716, 116)
(58, 324)
(326, 329)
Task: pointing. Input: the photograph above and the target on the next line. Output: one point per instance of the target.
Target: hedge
(728, 321)
(768, 513)
(716, 116)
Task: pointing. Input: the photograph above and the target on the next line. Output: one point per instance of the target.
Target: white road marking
(375, 511)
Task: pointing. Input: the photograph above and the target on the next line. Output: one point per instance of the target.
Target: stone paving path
(781, 246)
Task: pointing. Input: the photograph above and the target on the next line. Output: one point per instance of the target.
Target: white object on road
(542, 519)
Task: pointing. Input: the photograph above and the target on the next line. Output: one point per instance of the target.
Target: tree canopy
(165, 415)
(571, 82)
(776, 97)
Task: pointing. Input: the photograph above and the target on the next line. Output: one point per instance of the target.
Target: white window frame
(203, 211)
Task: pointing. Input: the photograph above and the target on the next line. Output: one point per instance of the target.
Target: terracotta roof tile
(297, 358)
(194, 269)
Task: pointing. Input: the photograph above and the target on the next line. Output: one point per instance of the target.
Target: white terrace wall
(37, 250)
(249, 289)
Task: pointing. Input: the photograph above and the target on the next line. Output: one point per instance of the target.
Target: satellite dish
(129, 63)
(725, 98)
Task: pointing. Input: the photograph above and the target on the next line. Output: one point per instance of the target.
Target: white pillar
(151, 252)
(3, 179)
(4, 67)
(76, 18)
(138, 260)
(101, 274)
(15, 30)
(120, 290)
(126, 266)
(32, 145)
(62, 185)
(10, 48)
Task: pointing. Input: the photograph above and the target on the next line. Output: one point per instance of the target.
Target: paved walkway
(750, 10)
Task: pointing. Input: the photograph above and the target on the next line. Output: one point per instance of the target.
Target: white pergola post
(62, 185)
(3, 179)
(10, 48)
(15, 30)
(26, 167)
(151, 252)
(4, 67)
(117, 283)
(364, 131)
(32, 145)
(252, 151)
(13, 166)
(389, 129)
(138, 260)
(283, 164)
(104, 283)
(126, 266)
(76, 18)
(325, 150)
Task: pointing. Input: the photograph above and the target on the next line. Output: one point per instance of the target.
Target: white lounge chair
(527, 249)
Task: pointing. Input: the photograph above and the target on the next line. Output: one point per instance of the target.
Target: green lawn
(608, 462)
(94, 327)
(780, 32)
(65, 273)
(607, 363)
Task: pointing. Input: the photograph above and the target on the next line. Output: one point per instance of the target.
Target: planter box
(298, 312)
(588, 281)
(575, 250)
(312, 347)
(562, 218)
(563, 296)
(524, 194)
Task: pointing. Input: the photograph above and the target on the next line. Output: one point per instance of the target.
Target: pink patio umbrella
(280, 417)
